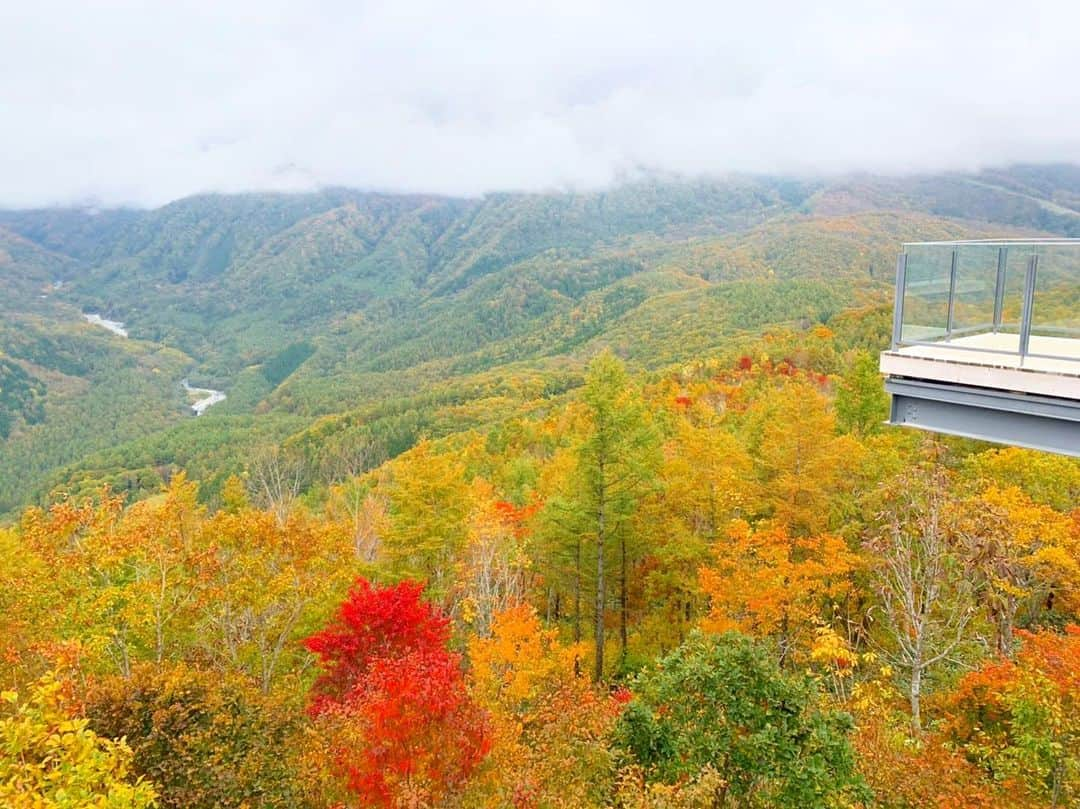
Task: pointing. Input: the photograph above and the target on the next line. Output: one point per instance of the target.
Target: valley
(204, 398)
(579, 499)
(539, 406)
(308, 311)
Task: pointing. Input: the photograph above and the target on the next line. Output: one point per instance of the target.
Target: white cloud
(144, 102)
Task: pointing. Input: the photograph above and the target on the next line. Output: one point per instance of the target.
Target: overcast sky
(145, 102)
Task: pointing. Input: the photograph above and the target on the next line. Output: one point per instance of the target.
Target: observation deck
(986, 341)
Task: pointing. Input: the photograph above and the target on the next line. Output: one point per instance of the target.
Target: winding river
(209, 396)
(115, 326)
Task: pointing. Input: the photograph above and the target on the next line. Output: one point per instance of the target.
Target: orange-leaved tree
(1021, 719)
(769, 584)
(551, 726)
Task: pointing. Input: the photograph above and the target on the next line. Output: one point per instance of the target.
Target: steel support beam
(1038, 422)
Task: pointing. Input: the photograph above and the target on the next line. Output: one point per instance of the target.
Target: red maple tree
(412, 733)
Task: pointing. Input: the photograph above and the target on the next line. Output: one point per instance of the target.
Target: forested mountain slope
(402, 312)
(531, 500)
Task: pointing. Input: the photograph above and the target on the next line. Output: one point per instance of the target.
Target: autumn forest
(528, 502)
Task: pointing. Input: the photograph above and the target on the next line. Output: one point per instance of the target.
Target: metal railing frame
(898, 306)
(999, 286)
(1028, 303)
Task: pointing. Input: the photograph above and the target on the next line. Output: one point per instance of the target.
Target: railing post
(952, 294)
(898, 305)
(1029, 304)
(999, 288)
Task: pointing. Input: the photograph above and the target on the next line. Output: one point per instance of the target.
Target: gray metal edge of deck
(1003, 417)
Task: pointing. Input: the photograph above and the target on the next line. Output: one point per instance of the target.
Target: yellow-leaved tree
(50, 759)
(803, 462)
(707, 478)
(269, 580)
(1023, 557)
(428, 506)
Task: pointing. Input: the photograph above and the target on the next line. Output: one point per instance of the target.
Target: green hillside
(409, 315)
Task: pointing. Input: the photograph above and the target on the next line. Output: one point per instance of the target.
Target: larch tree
(428, 509)
(707, 476)
(862, 404)
(802, 460)
(706, 479)
(616, 464)
(559, 542)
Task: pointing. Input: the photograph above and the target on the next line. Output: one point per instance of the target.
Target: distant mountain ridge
(309, 306)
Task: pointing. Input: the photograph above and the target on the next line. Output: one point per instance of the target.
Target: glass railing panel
(972, 295)
(1017, 257)
(926, 293)
(975, 290)
(1055, 314)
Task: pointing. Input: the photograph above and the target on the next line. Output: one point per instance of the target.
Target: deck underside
(963, 388)
(1022, 420)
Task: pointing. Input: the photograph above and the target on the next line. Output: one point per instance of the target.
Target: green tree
(616, 462)
(723, 703)
(861, 401)
(428, 509)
